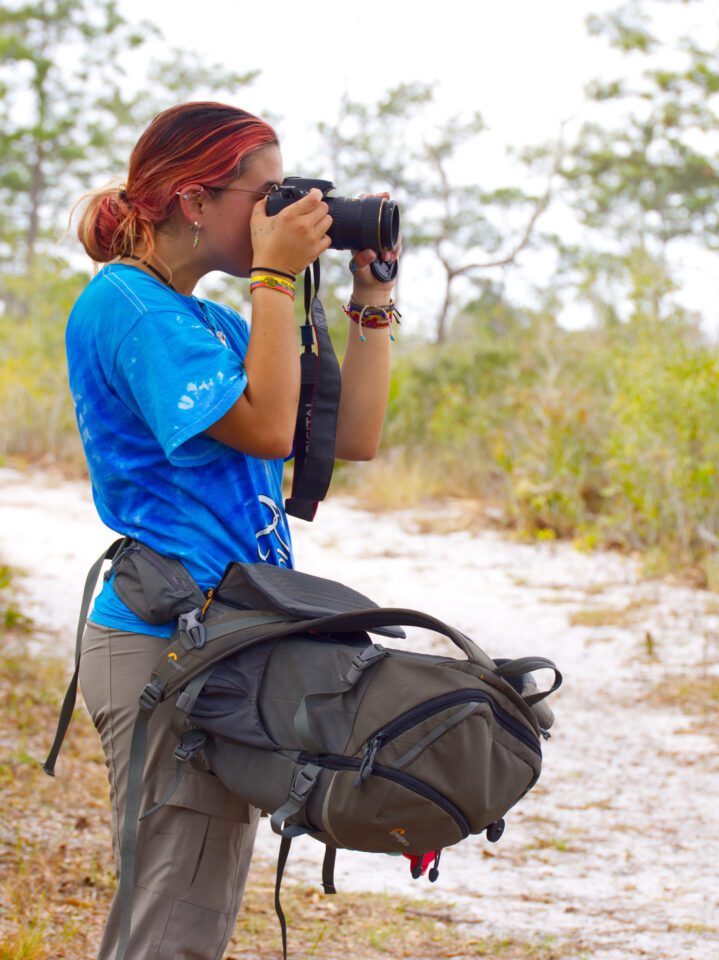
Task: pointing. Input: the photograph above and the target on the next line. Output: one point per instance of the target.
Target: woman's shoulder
(122, 290)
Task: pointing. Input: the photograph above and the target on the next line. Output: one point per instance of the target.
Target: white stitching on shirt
(126, 291)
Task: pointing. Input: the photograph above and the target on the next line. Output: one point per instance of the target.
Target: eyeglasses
(263, 193)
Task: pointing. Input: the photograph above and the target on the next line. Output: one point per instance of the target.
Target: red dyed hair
(211, 143)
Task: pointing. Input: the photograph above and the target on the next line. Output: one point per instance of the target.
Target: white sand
(617, 849)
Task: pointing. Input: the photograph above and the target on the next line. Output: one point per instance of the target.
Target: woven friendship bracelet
(373, 316)
(273, 283)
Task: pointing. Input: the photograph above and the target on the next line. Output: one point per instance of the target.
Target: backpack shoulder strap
(68, 704)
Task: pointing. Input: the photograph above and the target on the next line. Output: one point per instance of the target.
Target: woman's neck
(172, 266)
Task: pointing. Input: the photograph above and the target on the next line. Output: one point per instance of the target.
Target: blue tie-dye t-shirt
(150, 370)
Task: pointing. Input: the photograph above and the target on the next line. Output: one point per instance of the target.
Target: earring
(196, 228)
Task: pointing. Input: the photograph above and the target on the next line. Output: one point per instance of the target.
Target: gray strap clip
(193, 630)
(190, 745)
(303, 782)
(365, 658)
(152, 694)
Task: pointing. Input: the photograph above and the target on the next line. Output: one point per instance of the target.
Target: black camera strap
(316, 426)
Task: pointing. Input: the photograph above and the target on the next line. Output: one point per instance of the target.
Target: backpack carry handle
(515, 668)
(397, 616)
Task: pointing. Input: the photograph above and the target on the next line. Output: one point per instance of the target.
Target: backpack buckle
(365, 658)
(191, 625)
(151, 694)
(303, 783)
(191, 742)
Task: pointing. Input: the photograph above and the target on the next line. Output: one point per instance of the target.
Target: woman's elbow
(357, 451)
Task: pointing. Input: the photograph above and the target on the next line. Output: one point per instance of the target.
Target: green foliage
(662, 449)
(609, 434)
(647, 173)
(35, 404)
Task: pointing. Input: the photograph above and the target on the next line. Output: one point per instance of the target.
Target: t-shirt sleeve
(179, 379)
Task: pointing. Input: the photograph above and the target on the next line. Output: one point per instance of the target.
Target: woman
(186, 415)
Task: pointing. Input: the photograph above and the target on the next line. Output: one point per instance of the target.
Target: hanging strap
(68, 704)
(328, 882)
(316, 428)
(138, 749)
(285, 845)
(328, 870)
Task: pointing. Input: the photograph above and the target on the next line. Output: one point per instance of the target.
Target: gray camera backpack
(282, 693)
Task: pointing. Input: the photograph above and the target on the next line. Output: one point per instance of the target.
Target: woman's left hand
(367, 288)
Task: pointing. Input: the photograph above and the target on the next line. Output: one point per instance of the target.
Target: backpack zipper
(430, 707)
(336, 762)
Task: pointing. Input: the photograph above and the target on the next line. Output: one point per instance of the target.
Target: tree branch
(537, 213)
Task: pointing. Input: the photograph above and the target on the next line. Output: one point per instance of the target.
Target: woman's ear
(190, 200)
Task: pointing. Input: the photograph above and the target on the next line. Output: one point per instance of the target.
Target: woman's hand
(294, 237)
(367, 288)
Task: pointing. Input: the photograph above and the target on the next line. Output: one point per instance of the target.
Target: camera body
(371, 223)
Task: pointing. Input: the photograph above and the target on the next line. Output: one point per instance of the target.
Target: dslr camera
(368, 224)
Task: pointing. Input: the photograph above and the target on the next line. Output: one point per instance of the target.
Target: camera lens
(368, 224)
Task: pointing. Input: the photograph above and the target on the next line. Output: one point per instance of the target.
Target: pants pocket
(192, 848)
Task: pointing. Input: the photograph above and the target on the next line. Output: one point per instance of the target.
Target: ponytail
(111, 226)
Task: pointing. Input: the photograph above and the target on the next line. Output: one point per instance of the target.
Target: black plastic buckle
(191, 742)
(152, 694)
(302, 784)
(307, 336)
(365, 658)
(194, 629)
(495, 830)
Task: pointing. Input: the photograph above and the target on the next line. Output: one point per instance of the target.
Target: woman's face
(225, 238)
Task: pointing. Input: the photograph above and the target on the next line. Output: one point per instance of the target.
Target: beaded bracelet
(271, 282)
(373, 316)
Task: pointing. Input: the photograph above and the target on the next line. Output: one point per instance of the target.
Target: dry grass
(56, 878)
(626, 616)
(697, 696)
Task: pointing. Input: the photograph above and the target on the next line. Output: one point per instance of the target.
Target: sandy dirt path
(615, 854)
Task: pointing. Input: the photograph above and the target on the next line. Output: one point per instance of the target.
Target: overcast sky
(522, 64)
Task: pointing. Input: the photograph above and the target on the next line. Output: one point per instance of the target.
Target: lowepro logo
(172, 660)
(398, 834)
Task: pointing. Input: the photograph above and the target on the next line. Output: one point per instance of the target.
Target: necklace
(160, 276)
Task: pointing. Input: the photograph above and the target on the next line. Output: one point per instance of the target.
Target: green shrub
(35, 404)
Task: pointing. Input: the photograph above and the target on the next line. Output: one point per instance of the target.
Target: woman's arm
(365, 372)
(262, 421)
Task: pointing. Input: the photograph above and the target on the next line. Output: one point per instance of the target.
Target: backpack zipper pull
(367, 761)
(206, 605)
(434, 872)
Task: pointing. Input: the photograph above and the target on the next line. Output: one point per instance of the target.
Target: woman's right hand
(293, 238)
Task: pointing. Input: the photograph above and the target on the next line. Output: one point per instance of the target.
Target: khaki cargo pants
(193, 855)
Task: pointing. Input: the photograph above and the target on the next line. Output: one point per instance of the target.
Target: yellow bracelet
(270, 280)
